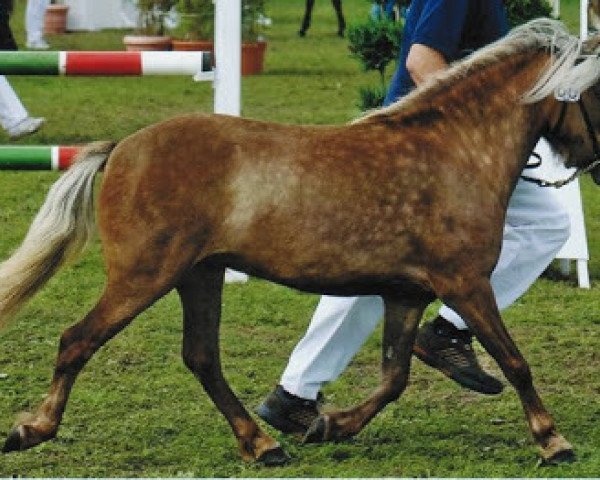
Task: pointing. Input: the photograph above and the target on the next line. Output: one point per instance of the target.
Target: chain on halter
(569, 96)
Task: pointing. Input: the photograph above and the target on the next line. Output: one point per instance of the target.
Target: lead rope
(579, 172)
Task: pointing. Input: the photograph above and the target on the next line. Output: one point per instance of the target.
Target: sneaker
(289, 413)
(38, 45)
(26, 126)
(441, 345)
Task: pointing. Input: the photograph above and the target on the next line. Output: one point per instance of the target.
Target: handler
(436, 32)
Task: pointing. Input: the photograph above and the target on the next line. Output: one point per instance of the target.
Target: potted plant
(253, 42)
(195, 26)
(150, 33)
(55, 18)
(195, 31)
(375, 44)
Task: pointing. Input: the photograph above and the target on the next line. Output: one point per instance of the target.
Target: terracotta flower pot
(253, 57)
(138, 43)
(55, 19)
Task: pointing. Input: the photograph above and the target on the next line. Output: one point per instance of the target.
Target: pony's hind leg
(200, 292)
(113, 312)
(399, 334)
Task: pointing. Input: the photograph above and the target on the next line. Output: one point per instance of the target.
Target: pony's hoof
(13, 442)
(274, 457)
(563, 456)
(556, 451)
(318, 432)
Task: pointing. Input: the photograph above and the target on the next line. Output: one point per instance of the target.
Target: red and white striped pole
(197, 64)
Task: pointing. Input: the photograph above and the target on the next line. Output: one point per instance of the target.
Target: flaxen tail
(58, 233)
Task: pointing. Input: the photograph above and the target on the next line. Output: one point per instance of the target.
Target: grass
(136, 411)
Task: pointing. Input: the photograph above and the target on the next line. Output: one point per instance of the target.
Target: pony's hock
(322, 209)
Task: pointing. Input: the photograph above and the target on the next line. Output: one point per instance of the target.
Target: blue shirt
(452, 27)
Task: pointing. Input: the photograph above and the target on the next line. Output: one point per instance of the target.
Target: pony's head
(571, 83)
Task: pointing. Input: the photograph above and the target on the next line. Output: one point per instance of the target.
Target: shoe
(289, 413)
(301, 33)
(38, 45)
(441, 345)
(26, 126)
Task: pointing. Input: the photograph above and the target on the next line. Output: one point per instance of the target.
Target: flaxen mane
(539, 34)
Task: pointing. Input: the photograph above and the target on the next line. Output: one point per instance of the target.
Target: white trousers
(537, 226)
(34, 20)
(12, 110)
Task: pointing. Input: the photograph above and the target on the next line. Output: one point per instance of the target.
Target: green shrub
(375, 44)
(371, 97)
(521, 11)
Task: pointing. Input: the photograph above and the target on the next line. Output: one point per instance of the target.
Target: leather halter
(595, 147)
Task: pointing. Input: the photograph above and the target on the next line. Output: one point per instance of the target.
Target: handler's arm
(423, 61)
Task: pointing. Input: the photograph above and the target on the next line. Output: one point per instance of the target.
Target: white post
(228, 46)
(228, 74)
(583, 19)
(556, 8)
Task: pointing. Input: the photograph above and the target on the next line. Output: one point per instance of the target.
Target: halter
(566, 97)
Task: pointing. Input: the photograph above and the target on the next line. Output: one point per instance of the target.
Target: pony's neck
(479, 119)
(484, 104)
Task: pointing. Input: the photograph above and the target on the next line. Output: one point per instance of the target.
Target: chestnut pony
(407, 202)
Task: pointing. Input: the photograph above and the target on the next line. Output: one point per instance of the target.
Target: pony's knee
(197, 362)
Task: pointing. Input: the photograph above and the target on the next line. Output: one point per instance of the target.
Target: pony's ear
(591, 46)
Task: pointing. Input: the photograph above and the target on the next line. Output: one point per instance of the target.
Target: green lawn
(137, 412)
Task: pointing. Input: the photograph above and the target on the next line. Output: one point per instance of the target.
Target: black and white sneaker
(441, 345)
(288, 413)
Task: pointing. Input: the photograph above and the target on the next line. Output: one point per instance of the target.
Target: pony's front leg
(480, 312)
(200, 292)
(399, 334)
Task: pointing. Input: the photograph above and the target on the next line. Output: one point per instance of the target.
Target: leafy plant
(375, 44)
(371, 97)
(521, 11)
(196, 20)
(251, 12)
(152, 15)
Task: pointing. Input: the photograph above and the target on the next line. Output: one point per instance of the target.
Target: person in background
(13, 115)
(383, 9)
(436, 33)
(337, 5)
(34, 24)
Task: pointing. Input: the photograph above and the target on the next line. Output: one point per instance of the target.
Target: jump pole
(196, 64)
(34, 157)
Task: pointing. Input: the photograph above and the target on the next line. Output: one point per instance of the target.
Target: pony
(337, 6)
(323, 209)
